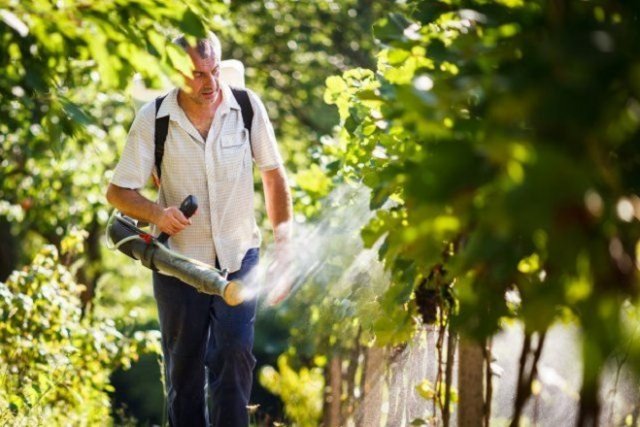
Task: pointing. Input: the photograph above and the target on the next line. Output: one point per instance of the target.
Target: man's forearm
(280, 211)
(278, 202)
(133, 204)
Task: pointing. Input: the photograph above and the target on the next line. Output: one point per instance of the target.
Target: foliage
(301, 391)
(125, 292)
(56, 362)
(62, 91)
(289, 49)
(506, 134)
(428, 392)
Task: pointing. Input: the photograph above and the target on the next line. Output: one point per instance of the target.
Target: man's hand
(172, 221)
(280, 275)
(131, 203)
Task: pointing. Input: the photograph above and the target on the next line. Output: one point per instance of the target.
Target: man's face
(204, 87)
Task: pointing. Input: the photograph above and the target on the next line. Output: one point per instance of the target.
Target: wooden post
(332, 393)
(470, 384)
(374, 378)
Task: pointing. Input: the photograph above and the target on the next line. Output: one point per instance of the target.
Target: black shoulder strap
(242, 96)
(160, 135)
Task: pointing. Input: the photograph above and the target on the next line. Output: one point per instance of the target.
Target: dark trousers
(204, 340)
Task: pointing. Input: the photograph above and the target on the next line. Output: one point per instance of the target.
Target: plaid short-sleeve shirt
(217, 171)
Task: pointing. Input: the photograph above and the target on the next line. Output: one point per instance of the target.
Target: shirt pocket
(234, 149)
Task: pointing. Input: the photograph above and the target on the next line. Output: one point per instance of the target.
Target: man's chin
(201, 100)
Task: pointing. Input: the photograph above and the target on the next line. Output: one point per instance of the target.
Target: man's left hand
(280, 275)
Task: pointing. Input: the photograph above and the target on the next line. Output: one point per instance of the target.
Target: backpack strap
(160, 135)
(242, 97)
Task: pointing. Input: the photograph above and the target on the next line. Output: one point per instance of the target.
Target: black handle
(188, 207)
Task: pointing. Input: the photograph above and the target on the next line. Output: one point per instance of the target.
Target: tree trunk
(589, 406)
(527, 372)
(592, 362)
(9, 250)
(89, 273)
(488, 377)
(332, 393)
(470, 384)
(452, 343)
(374, 374)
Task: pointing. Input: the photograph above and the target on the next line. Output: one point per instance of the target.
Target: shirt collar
(228, 100)
(169, 105)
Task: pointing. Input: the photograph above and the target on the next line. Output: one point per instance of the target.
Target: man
(208, 153)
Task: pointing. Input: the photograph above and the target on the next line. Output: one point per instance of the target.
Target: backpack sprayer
(124, 235)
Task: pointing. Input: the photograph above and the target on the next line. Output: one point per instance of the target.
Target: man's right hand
(172, 221)
(131, 203)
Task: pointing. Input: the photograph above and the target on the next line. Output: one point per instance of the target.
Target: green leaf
(76, 112)
(368, 95)
(179, 59)
(392, 28)
(397, 56)
(336, 84)
(191, 24)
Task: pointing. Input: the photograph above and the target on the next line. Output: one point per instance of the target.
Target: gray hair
(203, 46)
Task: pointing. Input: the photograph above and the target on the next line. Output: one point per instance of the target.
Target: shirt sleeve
(263, 139)
(138, 157)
